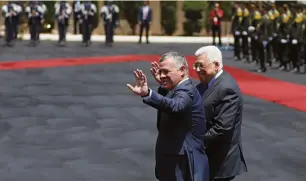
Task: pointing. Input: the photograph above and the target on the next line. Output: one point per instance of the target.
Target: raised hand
(140, 88)
(155, 71)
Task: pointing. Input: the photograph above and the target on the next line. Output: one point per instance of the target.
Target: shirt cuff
(149, 94)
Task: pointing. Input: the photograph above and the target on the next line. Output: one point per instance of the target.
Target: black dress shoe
(261, 70)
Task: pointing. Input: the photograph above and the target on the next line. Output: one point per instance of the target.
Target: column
(180, 18)
(156, 18)
(71, 19)
(100, 28)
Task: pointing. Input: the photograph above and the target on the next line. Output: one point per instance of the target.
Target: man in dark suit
(62, 12)
(180, 154)
(77, 17)
(145, 17)
(223, 111)
(110, 17)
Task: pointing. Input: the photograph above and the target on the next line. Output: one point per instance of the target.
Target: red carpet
(252, 84)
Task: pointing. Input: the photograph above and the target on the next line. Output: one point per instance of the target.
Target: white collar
(182, 81)
(218, 74)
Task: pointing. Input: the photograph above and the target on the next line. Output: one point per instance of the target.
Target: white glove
(294, 41)
(237, 33)
(251, 28)
(270, 38)
(256, 37)
(244, 33)
(264, 43)
(283, 41)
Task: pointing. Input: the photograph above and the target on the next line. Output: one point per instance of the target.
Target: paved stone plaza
(83, 124)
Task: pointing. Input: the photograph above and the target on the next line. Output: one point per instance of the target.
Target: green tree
(48, 24)
(129, 10)
(169, 16)
(96, 17)
(193, 13)
(226, 7)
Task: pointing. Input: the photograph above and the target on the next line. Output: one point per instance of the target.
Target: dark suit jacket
(223, 109)
(181, 126)
(149, 15)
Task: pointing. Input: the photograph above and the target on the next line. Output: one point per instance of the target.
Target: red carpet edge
(252, 84)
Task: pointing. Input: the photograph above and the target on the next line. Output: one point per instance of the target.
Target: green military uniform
(255, 17)
(236, 30)
(303, 52)
(265, 34)
(245, 24)
(283, 32)
(295, 33)
(274, 16)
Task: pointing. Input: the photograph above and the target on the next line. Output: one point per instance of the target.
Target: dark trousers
(294, 54)
(282, 54)
(34, 31)
(62, 27)
(172, 168)
(245, 46)
(86, 31)
(237, 46)
(39, 30)
(216, 30)
(262, 50)
(275, 47)
(109, 29)
(9, 31)
(144, 24)
(15, 26)
(77, 26)
(80, 27)
(269, 51)
(254, 48)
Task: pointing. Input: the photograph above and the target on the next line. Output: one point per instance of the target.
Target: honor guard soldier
(16, 19)
(288, 12)
(8, 12)
(274, 15)
(44, 10)
(303, 51)
(88, 10)
(35, 17)
(62, 12)
(265, 36)
(245, 23)
(255, 21)
(283, 31)
(110, 16)
(77, 17)
(236, 30)
(145, 18)
(296, 34)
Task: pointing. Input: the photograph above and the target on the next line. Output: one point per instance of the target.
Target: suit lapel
(212, 86)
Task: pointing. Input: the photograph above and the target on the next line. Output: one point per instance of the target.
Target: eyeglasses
(200, 66)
